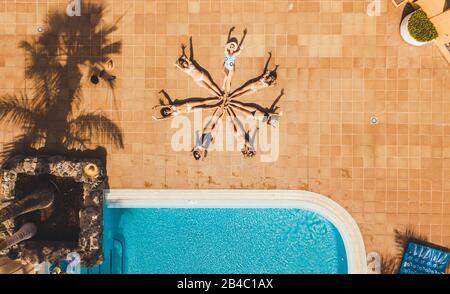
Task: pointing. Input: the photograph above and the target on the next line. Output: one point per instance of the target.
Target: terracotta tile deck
(339, 67)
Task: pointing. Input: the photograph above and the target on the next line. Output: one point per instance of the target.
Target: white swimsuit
(176, 111)
(201, 78)
(253, 87)
(191, 70)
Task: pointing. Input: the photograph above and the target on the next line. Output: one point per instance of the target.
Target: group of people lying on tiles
(223, 101)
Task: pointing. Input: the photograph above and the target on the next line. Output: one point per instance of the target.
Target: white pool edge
(324, 206)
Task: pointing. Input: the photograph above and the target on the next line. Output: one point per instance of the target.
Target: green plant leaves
(421, 28)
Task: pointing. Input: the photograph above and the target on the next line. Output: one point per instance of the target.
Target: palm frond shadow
(48, 113)
(390, 263)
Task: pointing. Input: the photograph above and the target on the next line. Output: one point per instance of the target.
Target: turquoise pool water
(220, 241)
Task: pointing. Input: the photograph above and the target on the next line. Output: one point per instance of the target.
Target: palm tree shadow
(391, 263)
(49, 113)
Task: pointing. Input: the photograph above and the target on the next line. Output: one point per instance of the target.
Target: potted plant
(416, 29)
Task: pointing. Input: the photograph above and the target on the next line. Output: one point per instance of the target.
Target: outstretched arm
(183, 48)
(237, 53)
(191, 49)
(275, 69)
(274, 107)
(229, 34)
(178, 66)
(161, 118)
(166, 95)
(267, 63)
(242, 40)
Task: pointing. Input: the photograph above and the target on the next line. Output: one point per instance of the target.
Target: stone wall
(90, 242)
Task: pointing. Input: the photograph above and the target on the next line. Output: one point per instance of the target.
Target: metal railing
(108, 268)
(120, 240)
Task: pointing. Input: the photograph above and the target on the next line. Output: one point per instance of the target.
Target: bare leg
(203, 102)
(247, 90)
(203, 106)
(207, 80)
(213, 121)
(228, 84)
(241, 109)
(270, 111)
(208, 87)
(237, 129)
(225, 71)
(208, 132)
(190, 106)
(250, 109)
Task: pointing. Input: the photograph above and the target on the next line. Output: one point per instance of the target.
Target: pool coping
(326, 207)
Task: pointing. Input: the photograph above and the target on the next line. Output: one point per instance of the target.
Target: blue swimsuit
(230, 61)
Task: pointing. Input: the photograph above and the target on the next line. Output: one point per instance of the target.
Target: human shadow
(196, 64)
(49, 112)
(179, 102)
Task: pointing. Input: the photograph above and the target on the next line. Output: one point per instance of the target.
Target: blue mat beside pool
(424, 258)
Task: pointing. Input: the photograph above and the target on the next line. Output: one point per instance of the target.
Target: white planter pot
(404, 32)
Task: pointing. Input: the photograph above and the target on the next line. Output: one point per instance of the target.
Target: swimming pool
(222, 241)
(214, 236)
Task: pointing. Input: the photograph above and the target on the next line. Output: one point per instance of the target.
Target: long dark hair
(165, 111)
(183, 60)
